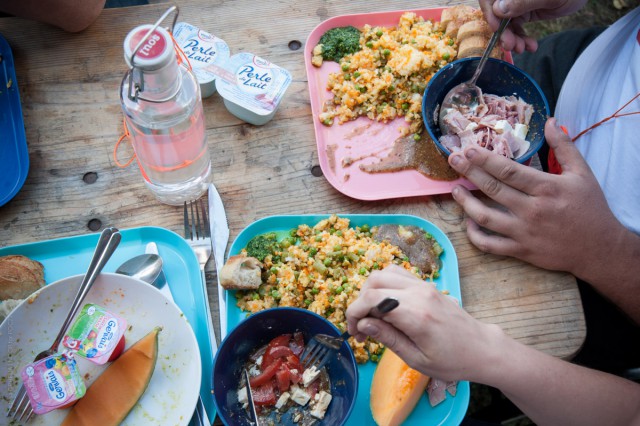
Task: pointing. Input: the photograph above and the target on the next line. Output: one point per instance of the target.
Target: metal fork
(322, 347)
(197, 233)
(109, 239)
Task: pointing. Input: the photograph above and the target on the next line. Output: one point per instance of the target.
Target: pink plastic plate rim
(363, 139)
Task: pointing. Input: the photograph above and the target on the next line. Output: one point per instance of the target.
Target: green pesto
(261, 246)
(340, 42)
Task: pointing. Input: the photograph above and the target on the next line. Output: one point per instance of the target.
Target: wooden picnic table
(69, 87)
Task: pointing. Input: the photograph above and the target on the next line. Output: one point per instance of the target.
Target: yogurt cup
(96, 334)
(252, 87)
(53, 382)
(204, 51)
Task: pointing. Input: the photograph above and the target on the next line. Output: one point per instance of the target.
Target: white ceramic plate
(172, 393)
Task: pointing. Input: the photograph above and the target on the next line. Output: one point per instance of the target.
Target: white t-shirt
(605, 77)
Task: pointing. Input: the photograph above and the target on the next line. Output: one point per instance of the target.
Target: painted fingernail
(455, 160)
(470, 153)
(371, 330)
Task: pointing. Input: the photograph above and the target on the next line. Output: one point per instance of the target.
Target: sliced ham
(490, 130)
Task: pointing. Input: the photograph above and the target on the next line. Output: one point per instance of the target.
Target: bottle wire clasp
(136, 75)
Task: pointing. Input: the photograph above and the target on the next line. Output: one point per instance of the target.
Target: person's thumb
(565, 150)
(386, 334)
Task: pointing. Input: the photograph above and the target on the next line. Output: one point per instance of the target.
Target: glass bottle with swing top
(161, 101)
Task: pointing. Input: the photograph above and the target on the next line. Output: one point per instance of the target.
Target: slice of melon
(395, 390)
(110, 398)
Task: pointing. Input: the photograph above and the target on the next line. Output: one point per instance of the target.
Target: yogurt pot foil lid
(252, 83)
(204, 51)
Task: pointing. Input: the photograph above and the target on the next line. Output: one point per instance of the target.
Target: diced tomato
(266, 375)
(280, 352)
(264, 395)
(282, 340)
(297, 343)
(294, 363)
(283, 378)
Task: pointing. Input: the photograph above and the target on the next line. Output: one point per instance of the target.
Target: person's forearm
(70, 15)
(613, 269)
(554, 392)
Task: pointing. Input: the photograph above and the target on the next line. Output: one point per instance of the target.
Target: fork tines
(21, 408)
(315, 355)
(196, 224)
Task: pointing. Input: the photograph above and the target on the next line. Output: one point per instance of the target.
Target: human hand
(560, 222)
(523, 11)
(428, 330)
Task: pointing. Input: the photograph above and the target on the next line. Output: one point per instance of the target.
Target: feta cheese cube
(242, 395)
(503, 126)
(309, 375)
(320, 408)
(521, 130)
(282, 400)
(299, 396)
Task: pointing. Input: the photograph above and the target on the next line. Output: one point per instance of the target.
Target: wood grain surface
(69, 86)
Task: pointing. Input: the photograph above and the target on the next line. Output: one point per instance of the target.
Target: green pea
(313, 251)
(307, 302)
(379, 33)
(369, 44)
(337, 247)
(416, 137)
(375, 358)
(446, 56)
(363, 270)
(365, 228)
(331, 299)
(255, 296)
(339, 233)
(347, 77)
(376, 265)
(327, 122)
(450, 42)
(386, 52)
(318, 238)
(392, 88)
(338, 289)
(286, 243)
(362, 89)
(327, 262)
(345, 67)
(273, 270)
(275, 294)
(315, 290)
(345, 279)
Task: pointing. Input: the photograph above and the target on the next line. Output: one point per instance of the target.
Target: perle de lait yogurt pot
(53, 382)
(204, 51)
(252, 87)
(96, 334)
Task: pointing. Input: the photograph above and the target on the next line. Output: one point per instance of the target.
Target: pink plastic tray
(363, 139)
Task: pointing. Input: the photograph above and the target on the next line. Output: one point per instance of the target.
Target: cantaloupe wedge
(110, 398)
(395, 390)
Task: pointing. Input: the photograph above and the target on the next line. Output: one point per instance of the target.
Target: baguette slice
(19, 277)
(241, 273)
(474, 28)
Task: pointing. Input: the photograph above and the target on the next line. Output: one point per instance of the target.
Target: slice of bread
(19, 277)
(474, 28)
(474, 46)
(241, 273)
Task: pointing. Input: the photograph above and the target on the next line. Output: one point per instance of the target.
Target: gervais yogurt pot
(53, 382)
(252, 87)
(204, 51)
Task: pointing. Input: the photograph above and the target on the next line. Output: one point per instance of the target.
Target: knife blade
(200, 417)
(220, 238)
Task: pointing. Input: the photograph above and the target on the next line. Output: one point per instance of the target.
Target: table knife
(252, 407)
(220, 238)
(200, 417)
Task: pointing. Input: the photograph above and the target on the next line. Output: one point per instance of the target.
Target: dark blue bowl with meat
(509, 122)
(268, 345)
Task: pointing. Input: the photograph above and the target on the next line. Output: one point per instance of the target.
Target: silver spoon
(467, 95)
(145, 267)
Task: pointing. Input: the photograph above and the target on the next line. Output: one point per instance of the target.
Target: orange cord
(115, 148)
(612, 116)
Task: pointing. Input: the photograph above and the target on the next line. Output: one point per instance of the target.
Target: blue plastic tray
(65, 257)
(453, 409)
(14, 157)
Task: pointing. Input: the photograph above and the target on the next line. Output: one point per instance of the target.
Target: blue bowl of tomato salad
(269, 344)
